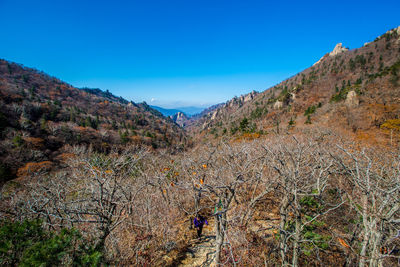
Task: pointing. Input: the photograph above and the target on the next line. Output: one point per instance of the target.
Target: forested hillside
(41, 115)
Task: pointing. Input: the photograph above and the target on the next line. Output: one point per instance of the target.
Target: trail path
(201, 251)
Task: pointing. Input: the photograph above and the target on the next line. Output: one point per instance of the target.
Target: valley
(305, 173)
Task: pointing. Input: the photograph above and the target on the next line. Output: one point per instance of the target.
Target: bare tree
(212, 179)
(373, 192)
(97, 189)
(260, 183)
(303, 170)
(231, 167)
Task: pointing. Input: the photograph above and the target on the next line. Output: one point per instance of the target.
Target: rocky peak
(395, 30)
(338, 49)
(180, 115)
(242, 99)
(180, 118)
(249, 96)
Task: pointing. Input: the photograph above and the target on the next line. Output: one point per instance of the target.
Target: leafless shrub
(372, 181)
(304, 170)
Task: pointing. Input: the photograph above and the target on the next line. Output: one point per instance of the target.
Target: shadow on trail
(200, 252)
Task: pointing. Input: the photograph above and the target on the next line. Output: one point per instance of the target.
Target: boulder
(278, 104)
(352, 99)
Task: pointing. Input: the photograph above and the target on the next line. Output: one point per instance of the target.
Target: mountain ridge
(40, 115)
(319, 95)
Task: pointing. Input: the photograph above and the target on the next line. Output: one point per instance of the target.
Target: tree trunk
(376, 236)
(365, 232)
(282, 233)
(296, 241)
(220, 236)
(102, 239)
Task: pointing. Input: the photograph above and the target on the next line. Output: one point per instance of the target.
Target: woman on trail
(199, 223)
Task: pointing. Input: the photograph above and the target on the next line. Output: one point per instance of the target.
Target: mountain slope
(40, 114)
(353, 90)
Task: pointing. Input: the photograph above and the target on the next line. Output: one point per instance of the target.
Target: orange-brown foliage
(247, 137)
(32, 167)
(34, 141)
(343, 243)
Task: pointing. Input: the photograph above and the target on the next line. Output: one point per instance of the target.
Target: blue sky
(181, 53)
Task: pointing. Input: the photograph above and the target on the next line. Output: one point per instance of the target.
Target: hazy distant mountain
(187, 110)
(191, 110)
(165, 111)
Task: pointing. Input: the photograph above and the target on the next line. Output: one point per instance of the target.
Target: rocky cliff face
(180, 118)
(239, 101)
(222, 110)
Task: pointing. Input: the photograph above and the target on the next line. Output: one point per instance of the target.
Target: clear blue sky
(188, 52)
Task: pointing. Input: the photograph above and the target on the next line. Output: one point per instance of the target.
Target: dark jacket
(199, 222)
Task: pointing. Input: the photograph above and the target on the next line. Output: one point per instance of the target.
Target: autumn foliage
(34, 167)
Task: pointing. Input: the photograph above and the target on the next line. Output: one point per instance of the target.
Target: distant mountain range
(190, 111)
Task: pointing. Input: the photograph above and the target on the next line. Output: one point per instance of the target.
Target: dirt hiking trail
(201, 251)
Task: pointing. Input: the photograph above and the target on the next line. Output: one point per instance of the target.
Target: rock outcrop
(395, 30)
(352, 99)
(241, 99)
(214, 115)
(180, 119)
(278, 105)
(249, 96)
(338, 50)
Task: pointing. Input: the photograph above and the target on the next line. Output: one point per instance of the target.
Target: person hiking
(199, 223)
